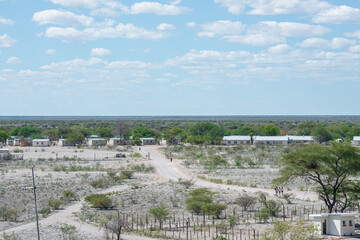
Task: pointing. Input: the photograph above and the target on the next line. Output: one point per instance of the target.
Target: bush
(126, 174)
(263, 215)
(17, 150)
(45, 211)
(54, 203)
(68, 195)
(100, 183)
(160, 213)
(186, 183)
(197, 198)
(100, 201)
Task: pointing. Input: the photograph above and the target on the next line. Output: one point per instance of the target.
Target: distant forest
(192, 129)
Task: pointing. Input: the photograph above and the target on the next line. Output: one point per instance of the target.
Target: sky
(179, 57)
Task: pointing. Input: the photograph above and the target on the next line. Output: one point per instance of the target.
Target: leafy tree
(197, 198)
(100, 201)
(272, 206)
(104, 132)
(246, 201)
(244, 130)
(52, 134)
(4, 135)
(205, 132)
(270, 130)
(214, 209)
(321, 134)
(141, 131)
(305, 129)
(25, 131)
(330, 167)
(75, 137)
(160, 213)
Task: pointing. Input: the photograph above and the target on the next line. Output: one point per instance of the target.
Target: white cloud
(89, 34)
(162, 80)
(338, 15)
(74, 65)
(6, 41)
(61, 17)
(273, 7)
(279, 49)
(191, 24)
(165, 27)
(353, 34)
(157, 8)
(78, 3)
(13, 61)
(6, 21)
(271, 32)
(100, 52)
(320, 43)
(50, 51)
(355, 49)
(221, 28)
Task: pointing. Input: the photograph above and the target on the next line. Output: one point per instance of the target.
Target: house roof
(335, 214)
(300, 138)
(236, 138)
(116, 138)
(271, 138)
(41, 140)
(94, 136)
(147, 138)
(97, 139)
(356, 138)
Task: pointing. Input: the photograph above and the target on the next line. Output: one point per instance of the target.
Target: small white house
(301, 139)
(356, 141)
(236, 140)
(338, 224)
(13, 141)
(4, 153)
(271, 140)
(148, 141)
(41, 143)
(115, 141)
(96, 142)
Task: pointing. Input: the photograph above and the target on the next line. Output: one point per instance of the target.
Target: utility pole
(36, 214)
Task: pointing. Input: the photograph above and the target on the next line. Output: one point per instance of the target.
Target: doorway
(324, 227)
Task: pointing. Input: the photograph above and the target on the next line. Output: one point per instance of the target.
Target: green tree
(160, 213)
(244, 130)
(305, 129)
(213, 209)
(321, 134)
(270, 130)
(4, 135)
(330, 167)
(197, 198)
(100, 201)
(25, 131)
(75, 137)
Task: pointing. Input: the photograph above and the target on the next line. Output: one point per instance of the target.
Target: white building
(115, 141)
(96, 142)
(4, 153)
(356, 141)
(338, 224)
(301, 139)
(41, 143)
(13, 141)
(271, 140)
(148, 141)
(236, 140)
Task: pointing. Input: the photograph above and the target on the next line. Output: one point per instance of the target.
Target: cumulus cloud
(61, 17)
(75, 64)
(338, 15)
(191, 24)
(273, 7)
(13, 61)
(320, 43)
(89, 34)
(78, 3)
(157, 8)
(271, 32)
(6, 41)
(165, 27)
(221, 28)
(6, 21)
(50, 51)
(100, 52)
(279, 49)
(353, 34)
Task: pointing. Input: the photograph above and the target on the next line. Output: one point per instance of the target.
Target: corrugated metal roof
(97, 139)
(147, 138)
(356, 138)
(271, 138)
(300, 138)
(40, 140)
(236, 138)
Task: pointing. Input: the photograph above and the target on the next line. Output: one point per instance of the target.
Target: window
(344, 223)
(350, 223)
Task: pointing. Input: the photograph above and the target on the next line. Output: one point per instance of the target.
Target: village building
(94, 140)
(25, 142)
(4, 154)
(271, 140)
(41, 143)
(338, 224)
(148, 141)
(236, 140)
(13, 141)
(63, 143)
(115, 141)
(300, 139)
(356, 141)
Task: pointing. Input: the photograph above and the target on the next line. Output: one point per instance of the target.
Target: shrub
(263, 215)
(45, 211)
(127, 174)
(54, 203)
(100, 201)
(100, 183)
(68, 195)
(197, 198)
(186, 183)
(160, 213)
(17, 150)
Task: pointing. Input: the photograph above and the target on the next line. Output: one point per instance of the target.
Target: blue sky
(173, 57)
